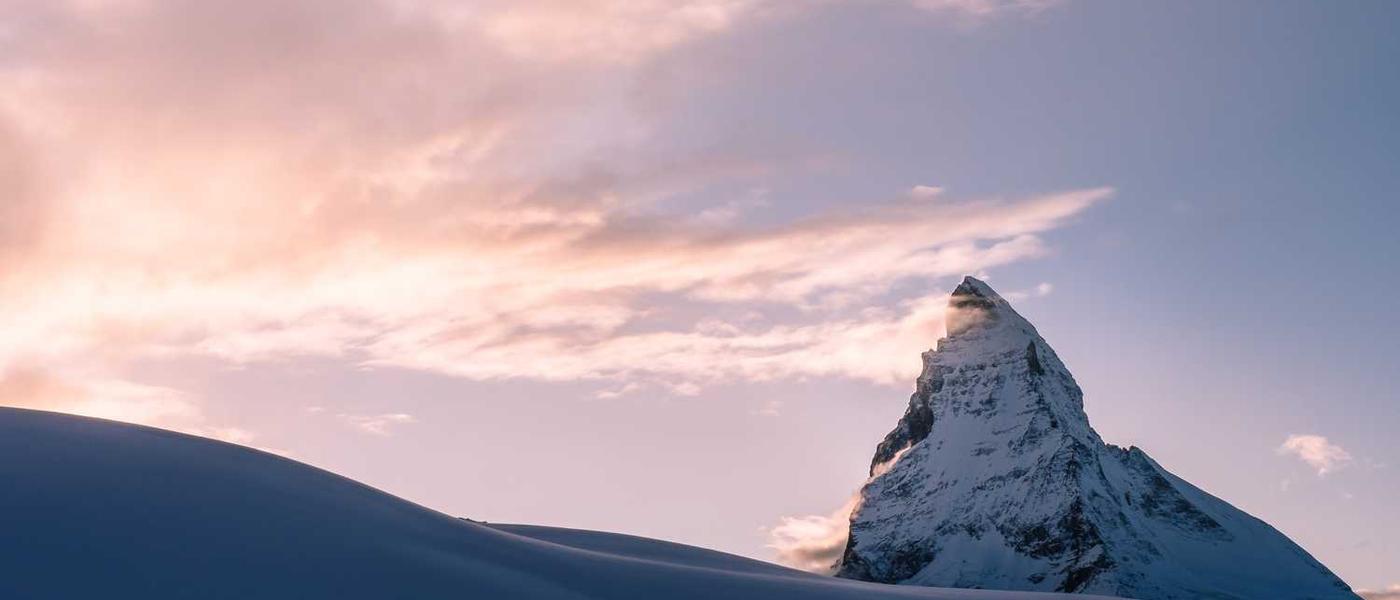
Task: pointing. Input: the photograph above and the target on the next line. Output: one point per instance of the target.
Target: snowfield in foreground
(98, 509)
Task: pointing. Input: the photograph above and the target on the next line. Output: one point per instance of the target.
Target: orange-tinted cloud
(111, 399)
(428, 187)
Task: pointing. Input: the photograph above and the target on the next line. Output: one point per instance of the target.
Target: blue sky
(658, 268)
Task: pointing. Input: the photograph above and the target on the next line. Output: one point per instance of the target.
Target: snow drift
(98, 509)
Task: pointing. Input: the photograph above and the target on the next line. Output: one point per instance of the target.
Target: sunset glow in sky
(666, 267)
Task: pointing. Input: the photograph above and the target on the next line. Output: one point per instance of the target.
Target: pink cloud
(401, 185)
(112, 399)
(813, 543)
(1317, 451)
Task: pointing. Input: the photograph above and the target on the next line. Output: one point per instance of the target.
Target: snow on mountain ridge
(100, 509)
(994, 478)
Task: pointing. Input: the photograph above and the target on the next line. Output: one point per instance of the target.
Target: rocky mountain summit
(994, 479)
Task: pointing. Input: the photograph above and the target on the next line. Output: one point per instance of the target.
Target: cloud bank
(486, 190)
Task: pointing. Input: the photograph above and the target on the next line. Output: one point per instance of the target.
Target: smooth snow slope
(98, 509)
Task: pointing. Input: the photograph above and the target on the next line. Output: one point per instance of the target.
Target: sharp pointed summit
(972, 286)
(974, 304)
(993, 478)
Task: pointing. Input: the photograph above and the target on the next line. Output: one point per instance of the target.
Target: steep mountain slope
(994, 479)
(97, 509)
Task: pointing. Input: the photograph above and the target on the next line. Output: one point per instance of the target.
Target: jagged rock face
(994, 479)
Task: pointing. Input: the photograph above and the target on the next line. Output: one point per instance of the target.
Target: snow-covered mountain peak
(993, 478)
(972, 286)
(975, 304)
(977, 314)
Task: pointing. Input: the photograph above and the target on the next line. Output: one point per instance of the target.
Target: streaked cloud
(1317, 451)
(112, 399)
(483, 190)
(626, 30)
(984, 9)
(377, 424)
(617, 30)
(926, 191)
(1389, 593)
(769, 408)
(1040, 290)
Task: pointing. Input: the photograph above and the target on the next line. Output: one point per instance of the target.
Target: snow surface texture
(98, 509)
(994, 479)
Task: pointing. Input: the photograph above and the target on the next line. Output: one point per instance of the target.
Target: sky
(666, 268)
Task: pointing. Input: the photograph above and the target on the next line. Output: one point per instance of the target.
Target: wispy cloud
(612, 30)
(112, 399)
(816, 542)
(926, 191)
(1041, 290)
(986, 8)
(1317, 451)
(628, 30)
(1389, 593)
(769, 408)
(437, 186)
(813, 543)
(377, 424)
